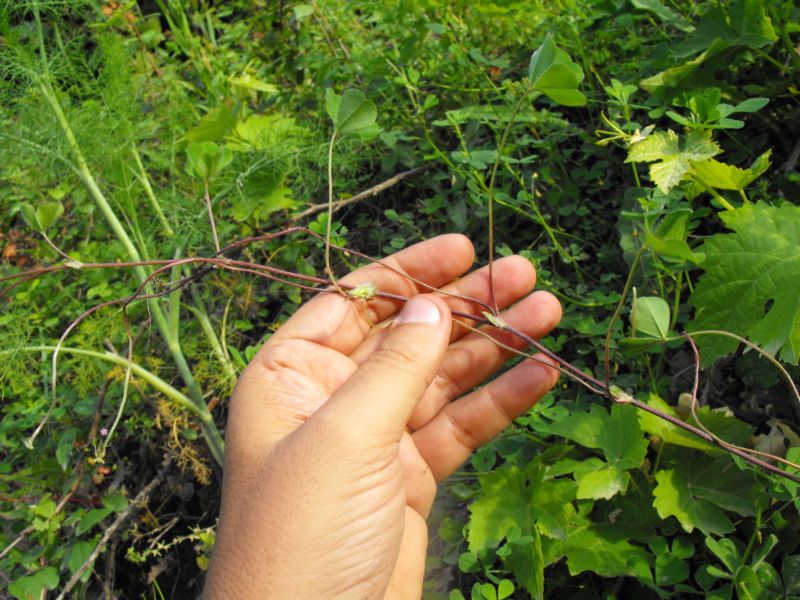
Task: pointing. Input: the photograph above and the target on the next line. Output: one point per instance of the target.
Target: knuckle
(462, 434)
(400, 357)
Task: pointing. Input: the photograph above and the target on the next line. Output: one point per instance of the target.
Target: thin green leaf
(651, 317)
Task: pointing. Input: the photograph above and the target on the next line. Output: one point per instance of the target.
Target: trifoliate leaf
(750, 284)
(650, 317)
(670, 566)
(552, 72)
(351, 112)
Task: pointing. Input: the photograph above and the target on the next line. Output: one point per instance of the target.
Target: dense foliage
(643, 154)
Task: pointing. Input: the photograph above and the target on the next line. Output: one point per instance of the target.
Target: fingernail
(418, 310)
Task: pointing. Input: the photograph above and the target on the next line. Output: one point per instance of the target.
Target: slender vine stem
(591, 383)
(622, 299)
(329, 225)
(498, 158)
(207, 200)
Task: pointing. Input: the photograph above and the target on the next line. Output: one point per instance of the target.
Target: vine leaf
(713, 173)
(750, 282)
(698, 494)
(552, 72)
(527, 563)
(718, 422)
(602, 548)
(616, 434)
(671, 162)
(205, 160)
(32, 586)
(512, 498)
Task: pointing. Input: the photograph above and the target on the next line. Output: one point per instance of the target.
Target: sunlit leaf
(750, 284)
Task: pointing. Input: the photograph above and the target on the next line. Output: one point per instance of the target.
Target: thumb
(381, 395)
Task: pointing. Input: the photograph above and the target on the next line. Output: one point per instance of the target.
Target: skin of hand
(349, 415)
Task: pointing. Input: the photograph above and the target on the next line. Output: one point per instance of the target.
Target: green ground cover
(642, 153)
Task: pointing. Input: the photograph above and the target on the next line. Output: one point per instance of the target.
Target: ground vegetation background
(642, 153)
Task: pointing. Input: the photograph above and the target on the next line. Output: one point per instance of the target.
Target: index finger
(339, 323)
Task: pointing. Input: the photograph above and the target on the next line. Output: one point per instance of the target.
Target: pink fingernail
(419, 310)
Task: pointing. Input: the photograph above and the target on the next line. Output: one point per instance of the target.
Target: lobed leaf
(750, 282)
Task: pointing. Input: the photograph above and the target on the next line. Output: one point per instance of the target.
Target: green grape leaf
(750, 283)
(512, 498)
(617, 434)
(527, 563)
(604, 549)
(698, 493)
(715, 174)
(261, 192)
(650, 317)
(213, 126)
(726, 427)
(205, 160)
(655, 146)
(32, 586)
(552, 72)
(602, 482)
(352, 113)
(261, 132)
(674, 162)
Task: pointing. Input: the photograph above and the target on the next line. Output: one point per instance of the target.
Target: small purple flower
(104, 431)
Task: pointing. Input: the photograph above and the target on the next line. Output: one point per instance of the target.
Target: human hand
(343, 423)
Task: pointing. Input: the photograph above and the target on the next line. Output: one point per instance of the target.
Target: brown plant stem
(133, 507)
(290, 278)
(363, 195)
